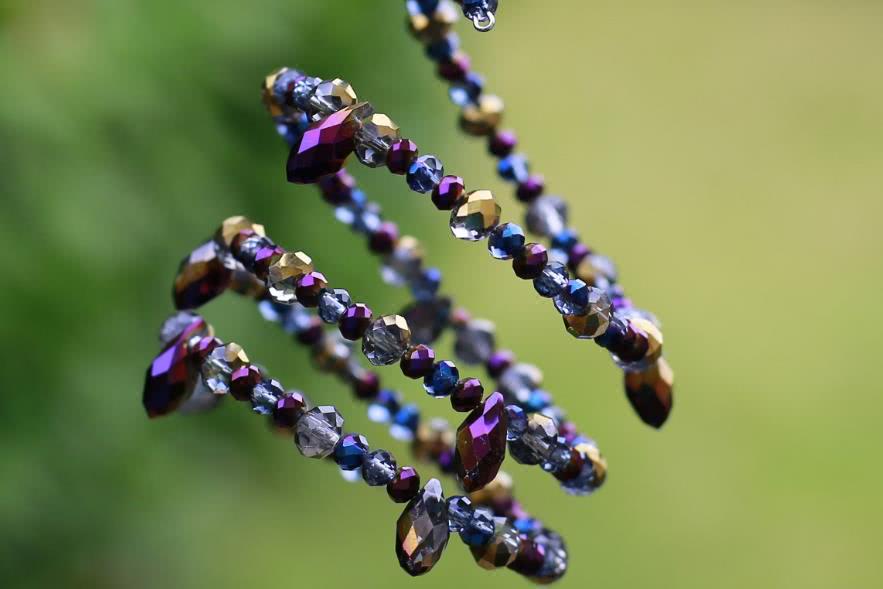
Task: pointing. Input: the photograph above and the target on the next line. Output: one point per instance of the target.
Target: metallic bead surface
(378, 468)
(172, 377)
(482, 118)
(552, 280)
(404, 486)
(231, 227)
(217, 368)
(386, 340)
(333, 95)
(283, 275)
(594, 321)
(348, 454)
(323, 147)
(202, 276)
(650, 392)
(374, 138)
(476, 216)
(502, 548)
(440, 382)
(530, 261)
(422, 530)
(481, 444)
(547, 216)
(318, 431)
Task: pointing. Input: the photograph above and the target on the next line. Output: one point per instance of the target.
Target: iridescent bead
(475, 342)
(529, 559)
(265, 395)
(476, 216)
(502, 548)
(425, 173)
(574, 298)
(517, 422)
(405, 423)
(417, 361)
(289, 408)
(479, 9)
(432, 439)
(481, 444)
(554, 557)
(404, 486)
(337, 189)
(171, 378)
(202, 276)
(333, 303)
(484, 117)
(565, 239)
(442, 380)
(577, 254)
(480, 528)
(552, 280)
(318, 431)
(538, 400)
(427, 319)
(426, 285)
(175, 325)
(519, 380)
(243, 380)
(283, 275)
(454, 68)
(231, 227)
(460, 512)
(422, 530)
(355, 321)
(378, 468)
(650, 392)
(596, 270)
(386, 340)
(546, 216)
(591, 471)
(466, 90)
(448, 192)
(302, 91)
(403, 264)
(502, 143)
(559, 457)
(433, 26)
(536, 442)
(514, 168)
(530, 189)
(274, 106)
(367, 385)
(348, 454)
(643, 348)
(506, 241)
(332, 95)
(530, 261)
(220, 364)
(374, 139)
(443, 48)
(383, 239)
(467, 395)
(266, 257)
(499, 362)
(310, 332)
(594, 320)
(309, 287)
(402, 154)
(323, 148)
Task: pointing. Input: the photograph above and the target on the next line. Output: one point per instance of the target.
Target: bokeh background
(728, 155)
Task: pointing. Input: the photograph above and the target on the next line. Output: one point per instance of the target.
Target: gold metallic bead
(432, 439)
(599, 464)
(231, 227)
(501, 550)
(284, 273)
(498, 491)
(482, 118)
(247, 284)
(267, 96)
(375, 136)
(475, 216)
(235, 355)
(654, 338)
(332, 354)
(594, 321)
(333, 95)
(596, 270)
(435, 26)
(651, 392)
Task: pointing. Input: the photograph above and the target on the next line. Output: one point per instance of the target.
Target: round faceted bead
(403, 264)
(243, 381)
(231, 227)
(483, 117)
(333, 304)
(386, 340)
(404, 486)
(220, 364)
(402, 154)
(530, 189)
(502, 143)
(577, 254)
(318, 431)
(467, 395)
(431, 25)
(506, 241)
(594, 320)
(480, 529)
(514, 168)
(378, 468)
(650, 392)
(289, 408)
(596, 270)
(349, 452)
(417, 361)
(547, 216)
(309, 288)
(283, 275)
(502, 548)
(476, 216)
(332, 95)
(552, 280)
(460, 512)
(383, 239)
(448, 192)
(354, 321)
(475, 341)
(498, 362)
(374, 138)
(442, 380)
(366, 385)
(574, 298)
(432, 440)
(517, 422)
(425, 173)
(204, 347)
(530, 261)
(265, 395)
(265, 258)
(337, 189)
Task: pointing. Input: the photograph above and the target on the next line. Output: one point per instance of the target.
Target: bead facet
(404, 486)
(323, 147)
(283, 275)
(531, 261)
(442, 380)
(422, 530)
(374, 138)
(476, 216)
(378, 468)
(348, 454)
(318, 431)
(425, 173)
(386, 340)
(650, 392)
(201, 277)
(506, 241)
(481, 444)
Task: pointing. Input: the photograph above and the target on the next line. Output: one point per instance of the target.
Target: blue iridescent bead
(405, 423)
(444, 48)
(333, 303)
(425, 173)
(565, 239)
(292, 130)
(574, 298)
(378, 468)
(350, 450)
(480, 528)
(506, 241)
(384, 406)
(467, 90)
(442, 380)
(552, 280)
(527, 525)
(459, 513)
(514, 168)
(426, 285)
(517, 422)
(537, 401)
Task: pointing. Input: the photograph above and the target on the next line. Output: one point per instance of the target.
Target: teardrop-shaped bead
(422, 530)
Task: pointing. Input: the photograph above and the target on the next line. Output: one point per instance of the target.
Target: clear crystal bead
(476, 216)
(552, 280)
(318, 431)
(547, 216)
(332, 304)
(375, 136)
(175, 326)
(475, 342)
(403, 264)
(386, 340)
(331, 96)
(378, 468)
(517, 422)
(265, 395)
(220, 364)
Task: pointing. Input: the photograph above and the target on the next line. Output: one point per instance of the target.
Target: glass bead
(289, 408)
(650, 392)
(243, 380)
(502, 143)
(171, 377)
(454, 68)
(499, 362)
(591, 473)
(517, 422)
(558, 457)
(404, 486)
(231, 227)
(594, 320)
(483, 117)
(596, 270)
(538, 400)
(374, 139)
(386, 340)
(348, 454)
(403, 264)
(333, 304)
(478, 9)
(386, 403)
(428, 27)
(481, 443)
(448, 193)
(460, 512)
(574, 298)
(518, 381)
(467, 90)
(323, 148)
(475, 342)
(427, 319)
(417, 361)
(541, 434)
(220, 364)
(649, 352)
(265, 395)
(476, 216)
(175, 325)
(425, 173)
(283, 275)
(318, 431)
(565, 239)
(444, 48)
(405, 423)
(331, 96)
(426, 285)
(546, 216)
(467, 395)
(309, 287)
(552, 280)
(530, 261)
(506, 241)
(480, 528)
(554, 557)
(442, 380)
(502, 548)
(201, 277)
(378, 468)
(422, 530)
(383, 239)
(514, 168)
(530, 189)
(402, 154)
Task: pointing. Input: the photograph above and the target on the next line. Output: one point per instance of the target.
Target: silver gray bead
(547, 216)
(475, 342)
(175, 326)
(518, 381)
(386, 340)
(333, 303)
(331, 96)
(378, 468)
(375, 136)
(318, 431)
(265, 395)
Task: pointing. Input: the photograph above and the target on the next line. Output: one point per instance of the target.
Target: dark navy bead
(425, 173)
(426, 286)
(467, 90)
(616, 332)
(442, 380)
(350, 450)
(552, 280)
(460, 512)
(480, 528)
(407, 418)
(537, 401)
(564, 240)
(574, 298)
(506, 241)
(514, 168)
(444, 48)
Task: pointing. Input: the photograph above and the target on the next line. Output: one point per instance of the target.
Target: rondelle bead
(378, 468)
(283, 275)
(530, 189)
(574, 298)
(506, 241)
(318, 431)
(467, 395)
(265, 395)
(220, 364)
(231, 227)
(475, 341)
(460, 511)
(501, 550)
(383, 239)
(552, 280)
(530, 261)
(431, 26)
(417, 361)
(422, 530)
(426, 284)
(442, 380)
(591, 473)
(546, 216)
(266, 257)
(273, 105)
(374, 138)
(425, 173)
(476, 216)
(593, 320)
(596, 270)
(448, 192)
(386, 340)
(332, 95)
(333, 304)
(502, 143)
(337, 189)
(403, 265)
(484, 117)
(354, 321)
(404, 486)
(309, 288)
(201, 277)
(480, 528)
(401, 155)
(650, 392)
(243, 380)
(288, 409)
(348, 454)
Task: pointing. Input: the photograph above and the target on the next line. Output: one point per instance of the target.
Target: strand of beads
(193, 357)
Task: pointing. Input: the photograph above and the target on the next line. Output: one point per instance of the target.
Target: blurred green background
(728, 155)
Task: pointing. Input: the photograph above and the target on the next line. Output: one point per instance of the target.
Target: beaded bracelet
(491, 523)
